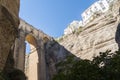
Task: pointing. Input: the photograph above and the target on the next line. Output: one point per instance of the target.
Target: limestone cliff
(99, 35)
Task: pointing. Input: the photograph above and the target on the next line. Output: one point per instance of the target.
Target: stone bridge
(33, 64)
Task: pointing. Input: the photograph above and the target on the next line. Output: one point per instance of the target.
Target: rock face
(72, 27)
(54, 53)
(99, 35)
(92, 40)
(9, 22)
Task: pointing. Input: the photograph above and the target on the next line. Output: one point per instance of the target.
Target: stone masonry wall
(9, 22)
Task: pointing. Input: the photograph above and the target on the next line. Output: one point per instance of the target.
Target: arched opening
(31, 43)
(31, 60)
(27, 51)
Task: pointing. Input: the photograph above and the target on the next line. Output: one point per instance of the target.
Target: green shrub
(79, 30)
(3, 76)
(106, 66)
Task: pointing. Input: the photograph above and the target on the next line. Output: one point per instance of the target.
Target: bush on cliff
(2, 76)
(106, 66)
(13, 75)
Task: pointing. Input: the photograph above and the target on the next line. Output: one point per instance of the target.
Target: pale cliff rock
(92, 40)
(9, 22)
(99, 35)
(72, 27)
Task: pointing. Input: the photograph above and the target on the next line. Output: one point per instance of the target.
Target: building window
(91, 11)
(95, 8)
(102, 6)
(86, 13)
(108, 1)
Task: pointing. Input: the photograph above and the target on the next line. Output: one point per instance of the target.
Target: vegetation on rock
(106, 66)
(13, 75)
(3, 76)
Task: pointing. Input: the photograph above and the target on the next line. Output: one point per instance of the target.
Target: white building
(89, 14)
(109, 1)
(80, 23)
(72, 27)
(98, 7)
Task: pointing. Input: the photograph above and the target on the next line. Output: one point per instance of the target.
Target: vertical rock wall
(9, 22)
(54, 53)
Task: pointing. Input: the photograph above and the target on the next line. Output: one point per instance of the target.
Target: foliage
(110, 7)
(79, 30)
(64, 68)
(16, 75)
(13, 75)
(106, 66)
(60, 39)
(2, 76)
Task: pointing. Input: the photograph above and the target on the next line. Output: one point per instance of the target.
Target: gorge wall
(9, 22)
(101, 34)
(95, 38)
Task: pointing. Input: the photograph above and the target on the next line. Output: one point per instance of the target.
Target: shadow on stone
(16, 75)
(9, 72)
(55, 54)
(117, 36)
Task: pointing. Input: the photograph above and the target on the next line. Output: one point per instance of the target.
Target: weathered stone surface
(9, 22)
(54, 53)
(98, 36)
(17, 75)
(12, 6)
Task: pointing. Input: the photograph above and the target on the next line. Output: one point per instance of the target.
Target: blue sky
(52, 16)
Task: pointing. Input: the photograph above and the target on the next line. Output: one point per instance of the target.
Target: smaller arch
(31, 39)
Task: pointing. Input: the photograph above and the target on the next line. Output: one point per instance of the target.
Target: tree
(106, 66)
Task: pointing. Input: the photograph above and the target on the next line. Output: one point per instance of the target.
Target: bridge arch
(36, 58)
